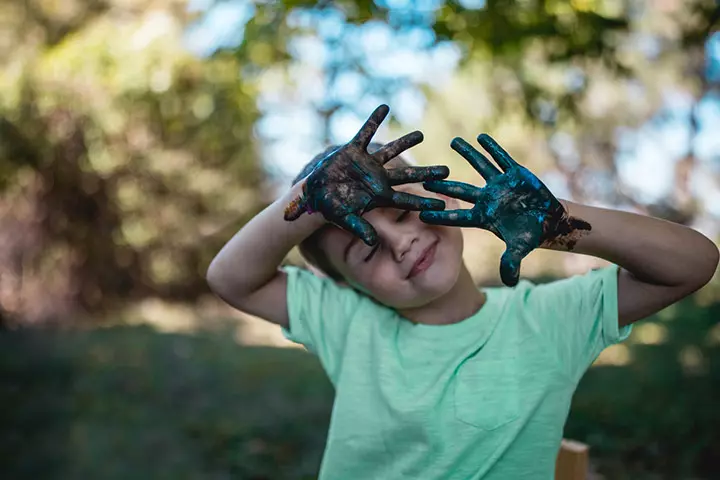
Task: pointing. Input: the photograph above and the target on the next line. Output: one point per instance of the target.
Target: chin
(440, 280)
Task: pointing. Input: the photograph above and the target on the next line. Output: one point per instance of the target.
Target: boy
(435, 378)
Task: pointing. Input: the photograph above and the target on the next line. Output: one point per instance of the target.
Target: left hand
(515, 205)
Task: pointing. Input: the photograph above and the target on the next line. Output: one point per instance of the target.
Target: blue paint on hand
(515, 205)
(349, 181)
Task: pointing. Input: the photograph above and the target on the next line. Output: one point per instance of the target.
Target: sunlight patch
(692, 360)
(650, 333)
(615, 355)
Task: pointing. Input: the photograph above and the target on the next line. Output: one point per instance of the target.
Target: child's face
(413, 263)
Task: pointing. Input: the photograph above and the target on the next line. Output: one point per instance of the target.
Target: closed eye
(402, 216)
(372, 253)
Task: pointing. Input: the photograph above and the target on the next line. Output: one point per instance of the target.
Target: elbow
(226, 285)
(218, 283)
(713, 260)
(708, 256)
(214, 277)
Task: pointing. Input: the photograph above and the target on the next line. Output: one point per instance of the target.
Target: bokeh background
(136, 137)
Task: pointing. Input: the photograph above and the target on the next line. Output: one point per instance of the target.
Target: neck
(462, 301)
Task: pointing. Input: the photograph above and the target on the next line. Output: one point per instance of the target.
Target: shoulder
(593, 282)
(306, 287)
(569, 297)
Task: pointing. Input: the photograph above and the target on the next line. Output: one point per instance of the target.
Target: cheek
(386, 284)
(452, 245)
(384, 276)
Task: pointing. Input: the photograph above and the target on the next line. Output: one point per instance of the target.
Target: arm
(661, 262)
(245, 272)
(346, 183)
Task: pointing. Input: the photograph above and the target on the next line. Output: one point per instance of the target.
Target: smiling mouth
(424, 261)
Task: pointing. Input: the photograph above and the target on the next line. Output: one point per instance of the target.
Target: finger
(359, 227)
(510, 264)
(408, 201)
(366, 132)
(463, 191)
(453, 218)
(399, 176)
(295, 208)
(396, 147)
(478, 161)
(498, 153)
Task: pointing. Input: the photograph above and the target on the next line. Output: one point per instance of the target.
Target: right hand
(350, 181)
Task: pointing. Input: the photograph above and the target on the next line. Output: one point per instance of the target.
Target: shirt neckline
(480, 323)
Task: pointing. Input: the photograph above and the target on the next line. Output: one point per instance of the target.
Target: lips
(424, 261)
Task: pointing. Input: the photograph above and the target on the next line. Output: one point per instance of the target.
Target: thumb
(510, 267)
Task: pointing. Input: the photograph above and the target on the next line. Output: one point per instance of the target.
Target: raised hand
(350, 181)
(515, 205)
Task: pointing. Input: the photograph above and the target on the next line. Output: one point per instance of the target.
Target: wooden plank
(573, 461)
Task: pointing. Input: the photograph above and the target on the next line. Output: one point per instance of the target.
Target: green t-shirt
(485, 398)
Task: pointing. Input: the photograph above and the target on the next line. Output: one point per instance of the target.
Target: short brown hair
(310, 247)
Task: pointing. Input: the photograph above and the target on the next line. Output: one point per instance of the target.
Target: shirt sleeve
(320, 315)
(578, 317)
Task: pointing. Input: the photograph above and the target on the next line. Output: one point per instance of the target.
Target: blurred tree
(120, 155)
(576, 79)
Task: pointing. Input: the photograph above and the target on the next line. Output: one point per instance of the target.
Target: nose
(399, 238)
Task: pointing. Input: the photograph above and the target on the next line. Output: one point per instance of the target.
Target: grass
(129, 402)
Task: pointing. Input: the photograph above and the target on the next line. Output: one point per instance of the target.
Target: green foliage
(130, 154)
(573, 81)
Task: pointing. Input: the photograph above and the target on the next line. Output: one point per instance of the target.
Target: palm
(350, 181)
(515, 205)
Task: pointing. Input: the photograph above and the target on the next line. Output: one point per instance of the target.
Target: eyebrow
(349, 245)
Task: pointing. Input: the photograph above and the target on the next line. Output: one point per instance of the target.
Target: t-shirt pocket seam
(476, 416)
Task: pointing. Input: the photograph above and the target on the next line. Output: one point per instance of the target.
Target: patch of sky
(563, 146)
(375, 37)
(649, 167)
(712, 57)
(301, 18)
(300, 122)
(409, 105)
(346, 121)
(309, 49)
(195, 6)
(284, 160)
(330, 23)
(416, 36)
(706, 185)
(222, 25)
(649, 45)
(557, 183)
(349, 85)
(473, 4)
(410, 12)
(575, 79)
(707, 141)
(410, 5)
